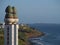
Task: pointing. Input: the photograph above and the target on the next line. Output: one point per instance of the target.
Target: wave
(52, 34)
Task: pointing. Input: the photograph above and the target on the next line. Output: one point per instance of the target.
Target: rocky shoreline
(29, 33)
(24, 34)
(34, 35)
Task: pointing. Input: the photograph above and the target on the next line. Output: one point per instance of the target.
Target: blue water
(52, 34)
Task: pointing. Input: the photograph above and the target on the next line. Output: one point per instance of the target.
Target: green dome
(10, 12)
(15, 16)
(14, 10)
(9, 9)
(9, 15)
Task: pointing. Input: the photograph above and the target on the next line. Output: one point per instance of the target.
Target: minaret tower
(11, 26)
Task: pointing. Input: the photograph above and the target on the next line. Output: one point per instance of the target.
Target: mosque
(11, 26)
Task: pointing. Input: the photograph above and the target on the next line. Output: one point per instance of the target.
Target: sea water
(52, 34)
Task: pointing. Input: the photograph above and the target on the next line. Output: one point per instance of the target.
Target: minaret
(11, 26)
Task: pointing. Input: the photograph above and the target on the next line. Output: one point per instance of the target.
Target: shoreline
(35, 36)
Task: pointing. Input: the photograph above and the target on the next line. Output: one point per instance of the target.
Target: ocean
(52, 34)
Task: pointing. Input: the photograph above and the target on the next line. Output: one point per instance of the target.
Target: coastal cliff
(25, 32)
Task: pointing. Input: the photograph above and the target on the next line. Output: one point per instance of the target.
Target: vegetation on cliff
(25, 32)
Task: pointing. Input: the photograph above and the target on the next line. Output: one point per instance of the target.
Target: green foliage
(1, 41)
(1, 37)
(23, 30)
(22, 37)
(20, 42)
(1, 31)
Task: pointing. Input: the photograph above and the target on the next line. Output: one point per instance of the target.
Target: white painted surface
(16, 34)
(13, 34)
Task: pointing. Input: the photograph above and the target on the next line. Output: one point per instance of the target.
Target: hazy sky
(33, 11)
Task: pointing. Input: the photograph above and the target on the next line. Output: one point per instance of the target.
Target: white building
(11, 27)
